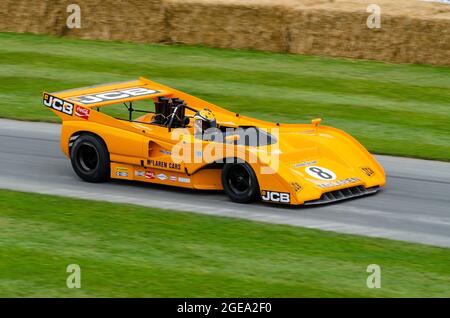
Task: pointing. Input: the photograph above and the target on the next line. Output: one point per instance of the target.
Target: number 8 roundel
(320, 173)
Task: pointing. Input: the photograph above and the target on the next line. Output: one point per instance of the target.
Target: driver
(204, 120)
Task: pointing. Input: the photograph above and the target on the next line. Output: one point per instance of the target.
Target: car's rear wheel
(90, 158)
(240, 183)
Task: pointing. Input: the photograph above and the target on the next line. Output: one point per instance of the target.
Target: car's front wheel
(90, 158)
(240, 183)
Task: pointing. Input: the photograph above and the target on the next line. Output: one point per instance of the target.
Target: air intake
(343, 194)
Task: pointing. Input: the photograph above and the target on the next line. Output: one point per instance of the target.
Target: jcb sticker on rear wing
(114, 95)
(58, 104)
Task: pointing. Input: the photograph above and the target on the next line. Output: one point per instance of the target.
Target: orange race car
(183, 141)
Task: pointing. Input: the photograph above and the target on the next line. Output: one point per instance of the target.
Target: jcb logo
(58, 104)
(114, 95)
(273, 196)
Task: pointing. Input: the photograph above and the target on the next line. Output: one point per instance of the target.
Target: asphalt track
(414, 206)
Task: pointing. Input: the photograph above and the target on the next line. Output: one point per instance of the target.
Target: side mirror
(316, 121)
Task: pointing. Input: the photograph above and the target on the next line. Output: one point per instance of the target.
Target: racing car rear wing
(106, 94)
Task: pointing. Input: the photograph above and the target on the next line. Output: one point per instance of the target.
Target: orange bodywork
(293, 166)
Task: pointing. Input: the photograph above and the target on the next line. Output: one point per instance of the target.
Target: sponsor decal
(58, 104)
(173, 178)
(184, 180)
(162, 176)
(305, 163)
(338, 183)
(296, 186)
(163, 164)
(274, 196)
(149, 174)
(139, 173)
(113, 95)
(82, 112)
(165, 152)
(368, 171)
(121, 172)
(320, 173)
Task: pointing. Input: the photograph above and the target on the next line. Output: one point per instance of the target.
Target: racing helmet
(203, 120)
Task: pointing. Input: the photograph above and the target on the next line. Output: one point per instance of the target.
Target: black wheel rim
(239, 179)
(87, 157)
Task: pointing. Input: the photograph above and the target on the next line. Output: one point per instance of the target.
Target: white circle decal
(320, 173)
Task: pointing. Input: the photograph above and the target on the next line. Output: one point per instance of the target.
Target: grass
(125, 251)
(392, 109)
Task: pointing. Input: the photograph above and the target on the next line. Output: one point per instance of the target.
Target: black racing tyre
(240, 183)
(90, 158)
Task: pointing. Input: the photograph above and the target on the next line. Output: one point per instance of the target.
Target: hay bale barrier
(227, 25)
(401, 39)
(411, 31)
(133, 20)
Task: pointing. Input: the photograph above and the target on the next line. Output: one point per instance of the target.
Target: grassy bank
(392, 109)
(125, 250)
